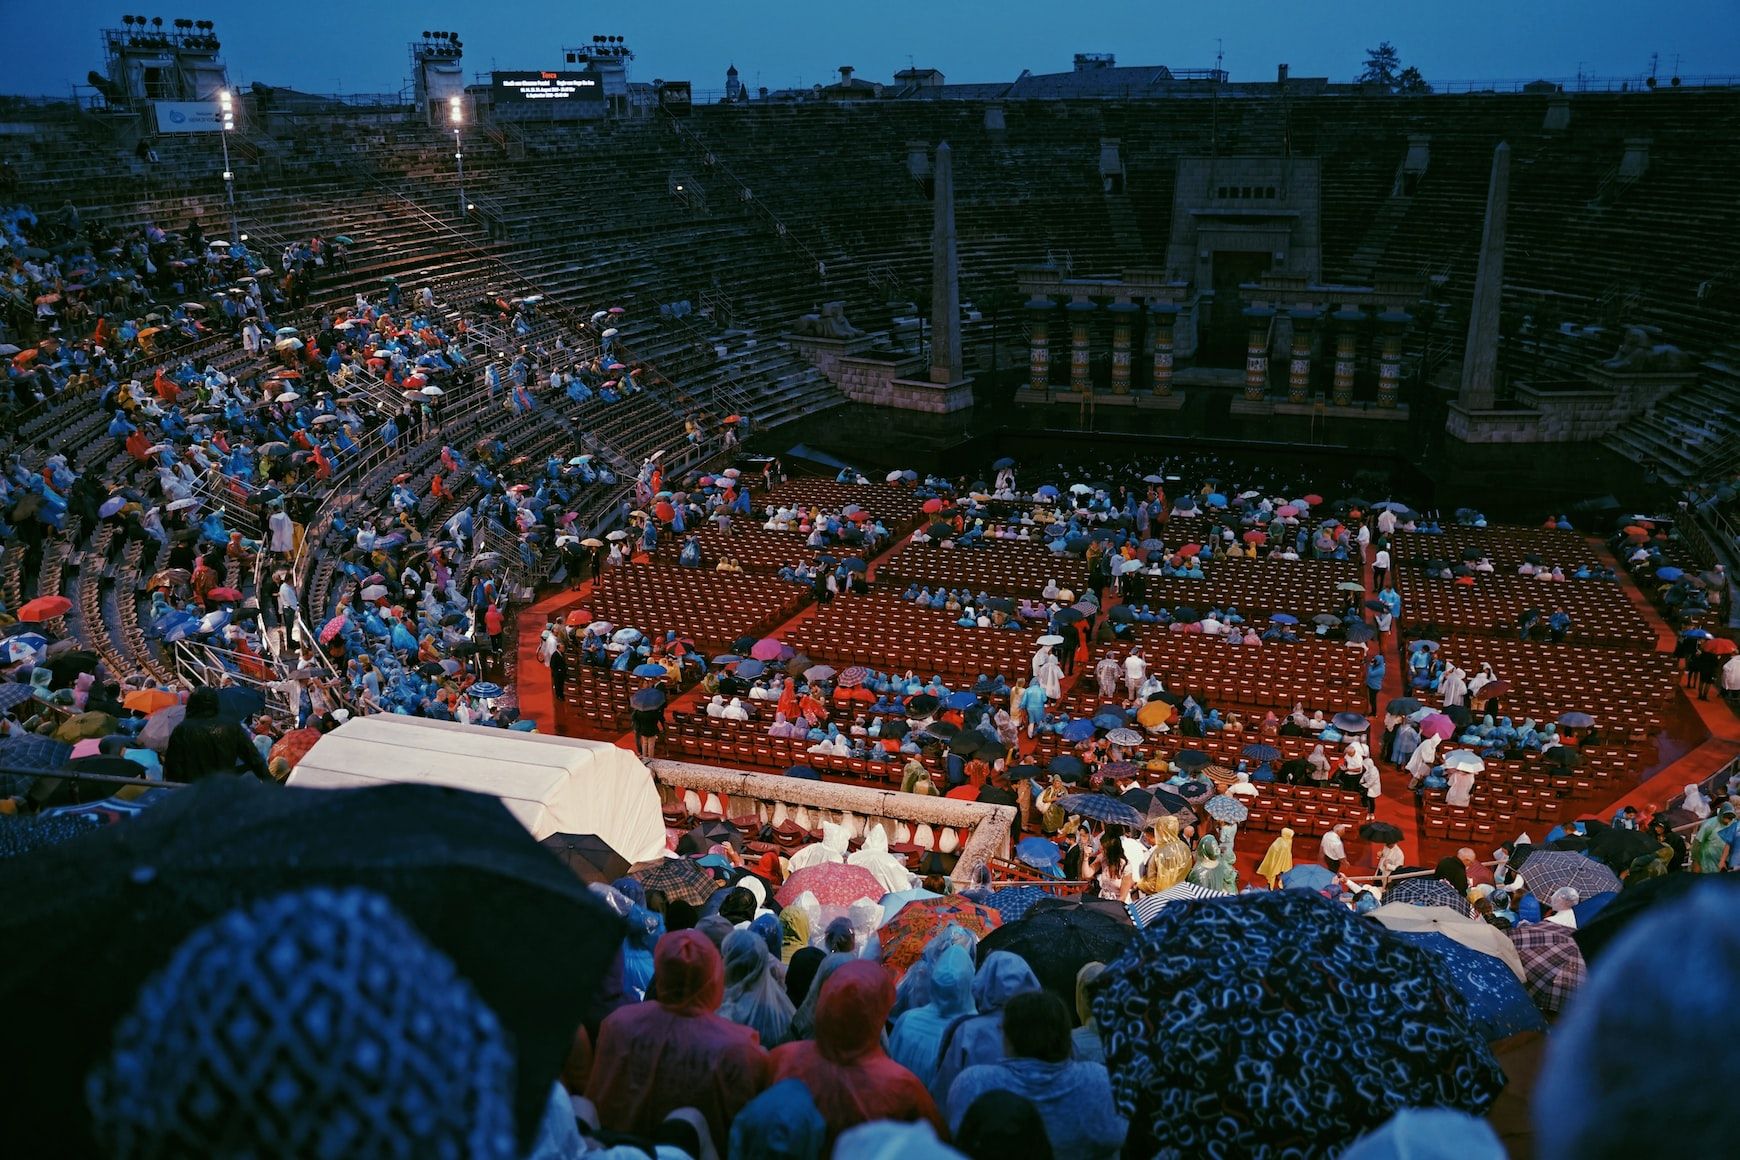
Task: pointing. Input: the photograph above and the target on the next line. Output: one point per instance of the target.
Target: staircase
(1363, 263)
(1691, 436)
(1125, 229)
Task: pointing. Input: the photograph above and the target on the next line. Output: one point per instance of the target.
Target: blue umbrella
(651, 670)
(1498, 1006)
(1078, 730)
(804, 772)
(1046, 492)
(1215, 500)
(485, 689)
(1056, 531)
(750, 669)
(1014, 902)
(1260, 752)
(1669, 573)
(1040, 853)
(1101, 808)
(1107, 721)
(13, 694)
(1002, 463)
(962, 700)
(1308, 876)
(1359, 632)
(1283, 618)
(726, 659)
(1067, 765)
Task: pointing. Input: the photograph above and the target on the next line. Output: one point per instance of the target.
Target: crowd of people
(1032, 1008)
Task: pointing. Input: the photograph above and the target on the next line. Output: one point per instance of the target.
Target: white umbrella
(1470, 932)
(1051, 638)
(610, 332)
(1465, 760)
(433, 391)
(619, 534)
(288, 397)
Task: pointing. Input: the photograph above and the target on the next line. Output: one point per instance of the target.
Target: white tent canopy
(553, 785)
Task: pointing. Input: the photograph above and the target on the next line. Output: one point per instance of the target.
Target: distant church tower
(733, 86)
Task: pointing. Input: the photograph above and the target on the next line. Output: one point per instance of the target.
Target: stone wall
(1566, 416)
(985, 828)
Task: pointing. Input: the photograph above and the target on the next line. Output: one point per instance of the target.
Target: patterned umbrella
(1261, 752)
(1308, 876)
(1143, 910)
(1428, 892)
(679, 878)
(34, 751)
(1545, 871)
(833, 884)
(1553, 965)
(1225, 808)
(1498, 1005)
(588, 855)
(1101, 808)
(905, 936)
(1128, 738)
(1289, 963)
(1015, 901)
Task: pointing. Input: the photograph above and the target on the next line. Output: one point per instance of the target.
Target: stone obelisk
(945, 276)
(1479, 386)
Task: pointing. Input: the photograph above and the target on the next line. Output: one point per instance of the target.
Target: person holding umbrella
(1375, 670)
(648, 707)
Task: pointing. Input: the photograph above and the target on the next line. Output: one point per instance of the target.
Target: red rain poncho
(849, 1076)
(657, 1056)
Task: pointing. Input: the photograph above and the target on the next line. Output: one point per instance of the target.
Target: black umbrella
(1640, 898)
(1068, 766)
(239, 702)
(1458, 714)
(966, 742)
(1380, 832)
(940, 531)
(1188, 759)
(93, 918)
(1616, 847)
(1100, 808)
(1058, 941)
(588, 855)
(709, 834)
(1068, 615)
(921, 705)
(1563, 756)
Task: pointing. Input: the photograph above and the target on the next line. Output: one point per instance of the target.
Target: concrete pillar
(1258, 319)
(1080, 370)
(1299, 356)
(1395, 326)
(1123, 322)
(945, 274)
(1039, 343)
(1162, 316)
(1348, 321)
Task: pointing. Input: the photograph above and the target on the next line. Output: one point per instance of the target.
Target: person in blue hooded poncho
(781, 1123)
(917, 1041)
(1074, 1098)
(979, 1038)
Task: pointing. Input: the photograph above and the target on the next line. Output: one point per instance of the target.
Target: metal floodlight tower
(227, 109)
(456, 118)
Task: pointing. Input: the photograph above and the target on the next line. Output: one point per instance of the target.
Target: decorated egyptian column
(1080, 378)
(1257, 351)
(1162, 316)
(1039, 343)
(1348, 321)
(1299, 356)
(1395, 324)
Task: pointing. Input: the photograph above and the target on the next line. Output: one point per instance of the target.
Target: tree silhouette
(1383, 69)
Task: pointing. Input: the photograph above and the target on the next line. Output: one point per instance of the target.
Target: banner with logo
(189, 117)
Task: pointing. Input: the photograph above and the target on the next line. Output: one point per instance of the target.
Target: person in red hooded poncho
(849, 1076)
(655, 1057)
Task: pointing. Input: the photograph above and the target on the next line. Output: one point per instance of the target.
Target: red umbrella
(294, 745)
(1190, 549)
(331, 629)
(1719, 645)
(665, 511)
(932, 506)
(1256, 537)
(1313, 500)
(905, 936)
(224, 594)
(44, 608)
(833, 884)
